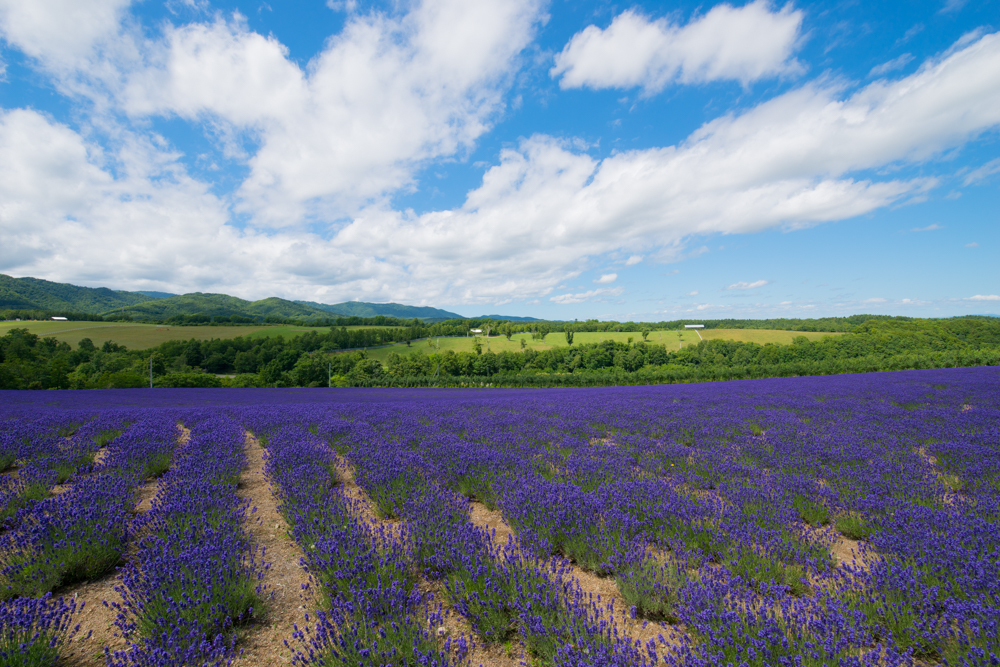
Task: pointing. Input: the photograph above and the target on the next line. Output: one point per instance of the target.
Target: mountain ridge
(38, 294)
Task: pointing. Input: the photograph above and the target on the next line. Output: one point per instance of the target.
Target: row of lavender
(53, 537)
(192, 573)
(378, 605)
(717, 509)
(196, 574)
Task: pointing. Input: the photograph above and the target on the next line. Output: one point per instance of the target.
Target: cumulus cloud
(59, 32)
(633, 260)
(591, 295)
(742, 44)
(385, 96)
(929, 228)
(745, 285)
(693, 293)
(984, 297)
(607, 278)
(70, 209)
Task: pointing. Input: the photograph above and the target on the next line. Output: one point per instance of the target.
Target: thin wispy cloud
(745, 285)
(591, 295)
(982, 173)
(928, 228)
(891, 66)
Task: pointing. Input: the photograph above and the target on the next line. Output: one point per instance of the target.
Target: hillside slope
(364, 309)
(220, 305)
(35, 293)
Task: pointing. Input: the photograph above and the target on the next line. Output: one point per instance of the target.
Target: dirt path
(511, 655)
(263, 642)
(603, 591)
(96, 619)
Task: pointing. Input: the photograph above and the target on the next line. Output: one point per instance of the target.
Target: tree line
(337, 356)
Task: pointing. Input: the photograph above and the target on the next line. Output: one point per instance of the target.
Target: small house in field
(59, 319)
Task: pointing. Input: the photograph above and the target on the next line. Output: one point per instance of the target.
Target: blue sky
(554, 159)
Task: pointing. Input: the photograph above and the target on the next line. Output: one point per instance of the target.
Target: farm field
(558, 339)
(142, 336)
(836, 520)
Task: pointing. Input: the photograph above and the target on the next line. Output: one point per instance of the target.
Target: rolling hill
(364, 309)
(45, 295)
(34, 293)
(220, 305)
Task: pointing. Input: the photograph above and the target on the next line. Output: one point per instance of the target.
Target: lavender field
(840, 520)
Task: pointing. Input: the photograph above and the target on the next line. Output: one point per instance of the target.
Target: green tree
(569, 336)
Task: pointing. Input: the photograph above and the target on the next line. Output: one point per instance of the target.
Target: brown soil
(100, 455)
(492, 521)
(849, 552)
(603, 591)
(510, 654)
(363, 505)
(263, 642)
(455, 625)
(97, 620)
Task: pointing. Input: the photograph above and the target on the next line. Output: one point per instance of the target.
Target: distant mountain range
(363, 309)
(506, 318)
(37, 294)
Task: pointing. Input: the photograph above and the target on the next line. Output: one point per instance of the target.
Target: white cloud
(693, 293)
(607, 278)
(876, 299)
(633, 260)
(591, 295)
(131, 216)
(742, 44)
(385, 96)
(972, 245)
(929, 228)
(984, 297)
(982, 173)
(745, 285)
(891, 66)
(953, 6)
(342, 5)
(59, 32)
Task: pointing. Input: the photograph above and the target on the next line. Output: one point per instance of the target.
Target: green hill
(363, 309)
(219, 305)
(34, 293)
(43, 295)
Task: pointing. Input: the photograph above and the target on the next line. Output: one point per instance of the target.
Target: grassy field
(142, 336)
(668, 338)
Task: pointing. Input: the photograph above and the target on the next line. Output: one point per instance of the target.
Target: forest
(336, 356)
